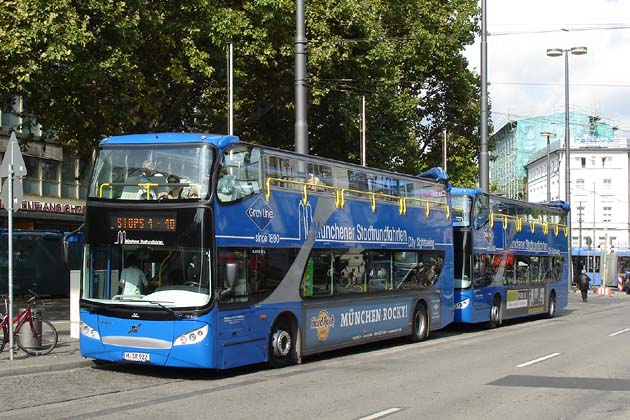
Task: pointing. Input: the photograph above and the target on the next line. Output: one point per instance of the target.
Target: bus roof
(219, 140)
(557, 204)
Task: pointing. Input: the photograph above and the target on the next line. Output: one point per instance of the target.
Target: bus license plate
(137, 357)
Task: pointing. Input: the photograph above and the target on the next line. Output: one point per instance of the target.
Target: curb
(54, 367)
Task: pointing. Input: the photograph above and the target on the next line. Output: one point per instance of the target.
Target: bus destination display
(143, 223)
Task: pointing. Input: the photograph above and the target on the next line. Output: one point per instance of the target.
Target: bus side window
(239, 175)
(481, 212)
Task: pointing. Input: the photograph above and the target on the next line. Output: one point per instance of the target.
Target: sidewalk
(65, 356)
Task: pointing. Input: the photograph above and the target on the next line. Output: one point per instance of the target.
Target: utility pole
(301, 125)
(444, 151)
(363, 141)
(483, 155)
(230, 88)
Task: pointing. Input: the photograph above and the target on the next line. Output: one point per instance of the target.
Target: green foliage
(91, 68)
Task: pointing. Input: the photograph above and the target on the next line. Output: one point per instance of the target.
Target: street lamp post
(557, 52)
(548, 135)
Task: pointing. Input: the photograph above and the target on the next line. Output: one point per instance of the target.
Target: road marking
(619, 332)
(540, 359)
(381, 413)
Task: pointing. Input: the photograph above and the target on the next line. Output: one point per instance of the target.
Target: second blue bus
(511, 257)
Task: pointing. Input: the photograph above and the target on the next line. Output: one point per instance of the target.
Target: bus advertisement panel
(265, 255)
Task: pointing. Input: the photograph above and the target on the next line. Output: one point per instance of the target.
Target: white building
(600, 195)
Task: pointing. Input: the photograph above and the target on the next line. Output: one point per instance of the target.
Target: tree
(96, 68)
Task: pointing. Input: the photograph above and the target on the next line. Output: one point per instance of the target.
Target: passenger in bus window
(175, 192)
(147, 192)
(192, 270)
(428, 273)
(132, 279)
(148, 170)
(313, 181)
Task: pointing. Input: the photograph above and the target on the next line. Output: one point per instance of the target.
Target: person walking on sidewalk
(582, 283)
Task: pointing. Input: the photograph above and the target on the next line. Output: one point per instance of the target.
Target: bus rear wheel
(552, 306)
(282, 345)
(420, 328)
(496, 316)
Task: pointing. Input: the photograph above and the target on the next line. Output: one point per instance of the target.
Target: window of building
(84, 177)
(607, 213)
(68, 178)
(583, 162)
(33, 176)
(50, 177)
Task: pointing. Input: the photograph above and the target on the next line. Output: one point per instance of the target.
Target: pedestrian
(582, 283)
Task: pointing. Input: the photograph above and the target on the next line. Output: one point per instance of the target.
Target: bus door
(240, 336)
(485, 270)
(103, 273)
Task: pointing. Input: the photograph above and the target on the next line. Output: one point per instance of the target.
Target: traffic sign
(13, 155)
(18, 193)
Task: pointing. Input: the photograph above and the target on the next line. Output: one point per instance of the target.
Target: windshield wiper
(177, 315)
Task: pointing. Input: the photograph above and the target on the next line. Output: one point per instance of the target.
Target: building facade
(518, 141)
(599, 170)
(56, 183)
(600, 197)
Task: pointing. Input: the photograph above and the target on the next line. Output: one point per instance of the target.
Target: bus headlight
(462, 304)
(88, 331)
(192, 337)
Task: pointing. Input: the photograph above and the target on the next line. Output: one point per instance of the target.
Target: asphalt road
(569, 367)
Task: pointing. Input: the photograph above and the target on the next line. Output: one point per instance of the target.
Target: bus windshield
(166, 276)
(155, 173)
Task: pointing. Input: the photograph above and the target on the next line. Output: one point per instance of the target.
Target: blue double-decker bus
(511, 257)
(204, 251)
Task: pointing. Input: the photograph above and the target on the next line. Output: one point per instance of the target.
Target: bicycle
(39, 337)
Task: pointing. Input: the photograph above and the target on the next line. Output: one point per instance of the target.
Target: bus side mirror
(232, 273)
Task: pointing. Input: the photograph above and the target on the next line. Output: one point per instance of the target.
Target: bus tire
(552, 305)
(420, 324)
(496, 313)
(282, 344)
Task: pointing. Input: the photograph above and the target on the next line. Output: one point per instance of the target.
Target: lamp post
(557, 52)
(548, 135)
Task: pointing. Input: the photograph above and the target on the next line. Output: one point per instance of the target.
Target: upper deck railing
(340, 196)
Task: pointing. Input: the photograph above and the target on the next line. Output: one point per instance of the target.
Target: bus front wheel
(420, 328)
(282, 345)
(496, 317)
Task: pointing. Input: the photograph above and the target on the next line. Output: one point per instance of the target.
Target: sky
(524, 82)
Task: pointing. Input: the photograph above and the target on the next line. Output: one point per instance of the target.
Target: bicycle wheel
(37, 343)
(5, 337)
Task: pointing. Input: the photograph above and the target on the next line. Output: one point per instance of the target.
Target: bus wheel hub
(281, 343)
